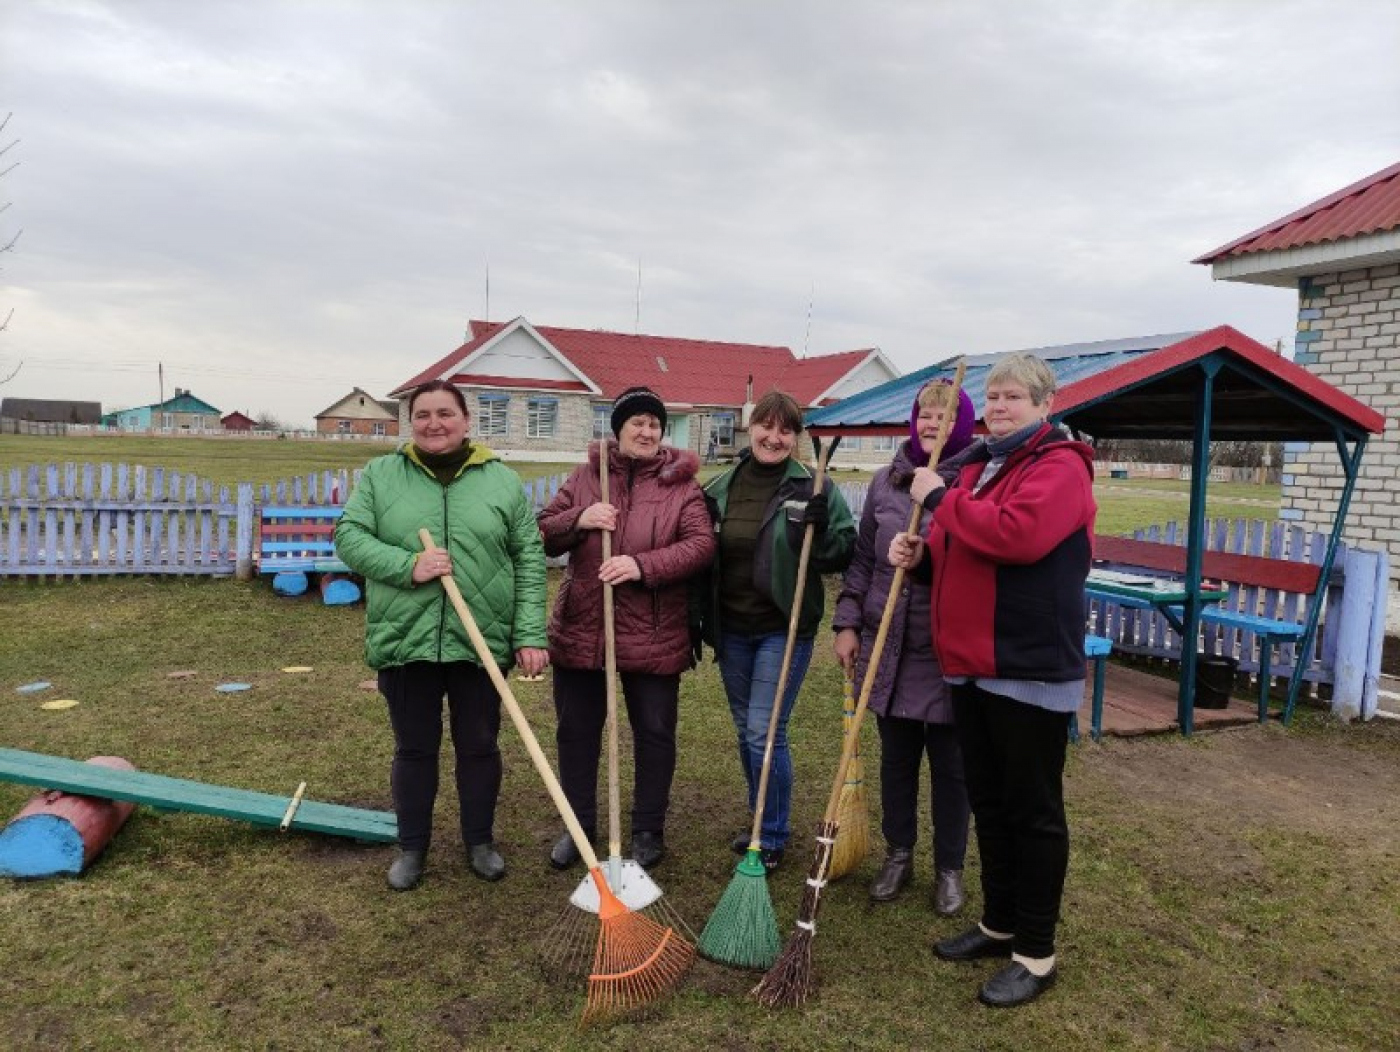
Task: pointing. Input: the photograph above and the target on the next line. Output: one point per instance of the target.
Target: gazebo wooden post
(1195, 546)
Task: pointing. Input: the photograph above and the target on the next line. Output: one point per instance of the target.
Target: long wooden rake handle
(610, 666)
(877, 650)
(522, 725)
(799, 590)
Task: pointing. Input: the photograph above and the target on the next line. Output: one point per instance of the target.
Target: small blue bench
(296, 540)
(1253, 572)
(1096, 649)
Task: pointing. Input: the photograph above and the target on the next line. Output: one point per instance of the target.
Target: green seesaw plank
(179, 794)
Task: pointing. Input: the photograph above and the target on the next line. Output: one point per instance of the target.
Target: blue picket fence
(85, 520)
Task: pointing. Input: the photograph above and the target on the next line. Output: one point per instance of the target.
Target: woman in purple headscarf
(912, 704)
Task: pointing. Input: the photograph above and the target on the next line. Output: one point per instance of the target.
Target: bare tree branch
(17, 367)
(11, 243)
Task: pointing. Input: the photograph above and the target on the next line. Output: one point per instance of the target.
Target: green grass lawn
(1232, 891)
(1216, 898)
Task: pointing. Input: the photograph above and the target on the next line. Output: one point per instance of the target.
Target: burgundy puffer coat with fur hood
(664, 525)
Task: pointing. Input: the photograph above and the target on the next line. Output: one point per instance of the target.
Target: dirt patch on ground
(1324, 781)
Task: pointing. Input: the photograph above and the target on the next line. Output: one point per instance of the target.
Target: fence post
(243, 543)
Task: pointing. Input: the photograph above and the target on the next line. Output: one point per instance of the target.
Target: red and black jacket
(1009, 564)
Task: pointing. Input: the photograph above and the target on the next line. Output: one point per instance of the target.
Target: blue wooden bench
(1242, 572)
(296, 540)
(1096, 649)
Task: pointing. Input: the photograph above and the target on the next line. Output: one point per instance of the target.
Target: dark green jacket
(484, 520)
(780, 545)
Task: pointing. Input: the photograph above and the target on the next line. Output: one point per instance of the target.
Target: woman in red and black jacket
(1010, 545)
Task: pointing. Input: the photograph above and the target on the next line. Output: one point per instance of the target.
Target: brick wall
(332, 425)
(1348, 334)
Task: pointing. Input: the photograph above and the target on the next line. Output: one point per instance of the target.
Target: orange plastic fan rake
(636, 961)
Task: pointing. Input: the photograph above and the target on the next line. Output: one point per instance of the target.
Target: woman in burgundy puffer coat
(661, 537)
(913, 706)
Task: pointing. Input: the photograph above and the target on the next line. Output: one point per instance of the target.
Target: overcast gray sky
(280, 201)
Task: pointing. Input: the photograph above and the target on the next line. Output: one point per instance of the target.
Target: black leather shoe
(740, 844)
(407, 870)
(893, 875)
(772, 857)
(648, 848)
(948, 895)
(564, 853)
(487, 862)
(972, 945)
(1015, 985)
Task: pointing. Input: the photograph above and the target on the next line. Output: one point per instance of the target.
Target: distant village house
(237, 421)
(183, 412)
(50, 411)
(359, 413)
(546, 392)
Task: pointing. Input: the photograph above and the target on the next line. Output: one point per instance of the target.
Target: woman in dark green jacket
(763, 506)
(477, 513)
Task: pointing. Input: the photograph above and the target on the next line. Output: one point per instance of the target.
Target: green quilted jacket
(483, 518)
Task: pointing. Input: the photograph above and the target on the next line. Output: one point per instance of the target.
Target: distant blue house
(183, 412)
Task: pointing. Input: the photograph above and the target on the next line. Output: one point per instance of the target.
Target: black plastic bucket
(1215, 676)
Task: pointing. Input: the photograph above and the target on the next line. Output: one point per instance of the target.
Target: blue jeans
(749, 667)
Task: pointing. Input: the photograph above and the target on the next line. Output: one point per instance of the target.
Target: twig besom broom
(789, 982)
(743, 929)
(636, 961)
(626, 878)
(853, 813)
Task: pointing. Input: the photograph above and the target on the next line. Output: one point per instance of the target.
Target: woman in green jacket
(477, 513)
(763, 506)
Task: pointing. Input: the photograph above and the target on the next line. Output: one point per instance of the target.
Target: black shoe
(648, 848)
(564, 853)
(948, 896)
(893, 875)
(1015, 985)
(772, 857)
(972, 945)
(486, 861)
(740, 844)
(407, 870)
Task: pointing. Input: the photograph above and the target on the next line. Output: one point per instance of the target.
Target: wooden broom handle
(877, 650)
(799, 590)
(522, 725)
(610, 666)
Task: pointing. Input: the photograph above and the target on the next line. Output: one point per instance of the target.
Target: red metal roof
(1371, 206)
(1153, 396)
(682, 372)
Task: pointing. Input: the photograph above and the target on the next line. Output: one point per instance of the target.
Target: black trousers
(903, 745)
(1014, 757)
(580, 701)
(414, 693)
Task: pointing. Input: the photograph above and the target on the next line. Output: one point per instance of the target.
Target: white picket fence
(83, 520)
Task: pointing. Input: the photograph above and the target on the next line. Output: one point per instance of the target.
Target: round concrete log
(338, 590)
(58, 833)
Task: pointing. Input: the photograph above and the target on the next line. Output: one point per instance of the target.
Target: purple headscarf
(959, 435)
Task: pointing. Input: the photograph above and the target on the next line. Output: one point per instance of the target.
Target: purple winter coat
(909, 683)
(664, 525)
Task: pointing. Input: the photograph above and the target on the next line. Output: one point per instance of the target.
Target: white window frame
(602, 421)
(882, 444)
(541, 417)
(343, 427)
(723, 427)
(492, 416)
